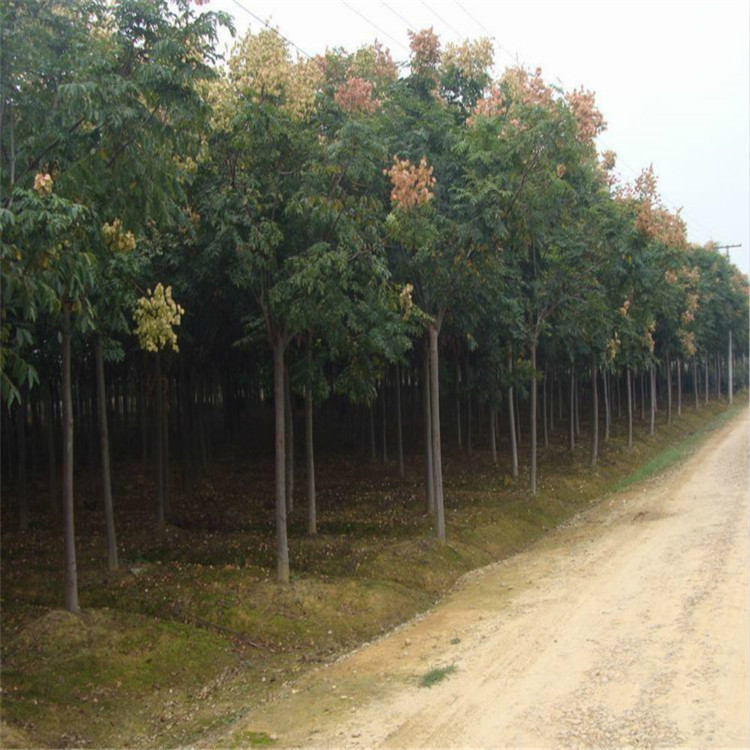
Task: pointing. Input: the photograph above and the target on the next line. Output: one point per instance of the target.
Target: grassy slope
(192, 630)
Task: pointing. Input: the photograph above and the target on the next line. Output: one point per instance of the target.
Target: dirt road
(628, 627)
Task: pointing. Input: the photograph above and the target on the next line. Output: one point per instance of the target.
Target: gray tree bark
(437, 463)
(512, 421)
(71, 572)
(109, 514)
(282, 544)
(595, 404)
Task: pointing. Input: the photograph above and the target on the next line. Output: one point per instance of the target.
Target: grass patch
(252, 739)
(676, 453)
(438, 674)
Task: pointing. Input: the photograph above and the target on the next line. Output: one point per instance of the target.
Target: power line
(442, 20)
(375, 26)
(271, 28)
(514, 58)
(398, 15)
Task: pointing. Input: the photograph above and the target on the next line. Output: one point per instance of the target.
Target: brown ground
(627, 627)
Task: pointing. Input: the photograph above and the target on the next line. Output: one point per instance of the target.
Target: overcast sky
(672, 79)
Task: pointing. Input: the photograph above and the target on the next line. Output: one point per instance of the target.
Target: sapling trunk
(312, 518)
(532, 420)
(23, 497)
(572, 414)
(399, 426)
(437, 463)
(159, 440)
(630, 407)
(730, 371)
(71, 573)
(595, 410)
(288, 443)
(282, 545)
(109, 515)
(512, 421)
(652, 412)
(427, 404)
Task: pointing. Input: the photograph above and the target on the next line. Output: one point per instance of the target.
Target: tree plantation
(272, 260)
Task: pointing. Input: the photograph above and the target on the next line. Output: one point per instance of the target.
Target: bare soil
(625, 627)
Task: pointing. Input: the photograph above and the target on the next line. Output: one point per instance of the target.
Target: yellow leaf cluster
(472, 59)
(155, 316)
(117, 240)
(43, 184)
(261, 69)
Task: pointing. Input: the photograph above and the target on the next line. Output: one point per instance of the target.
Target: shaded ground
(192, 633)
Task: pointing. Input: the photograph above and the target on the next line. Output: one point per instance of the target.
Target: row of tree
(331, 230)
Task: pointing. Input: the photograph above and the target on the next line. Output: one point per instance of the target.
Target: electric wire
(442, 20)
(398, 15)
(374, 25)
(271, 28)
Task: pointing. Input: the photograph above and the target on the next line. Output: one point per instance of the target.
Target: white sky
(672, 79)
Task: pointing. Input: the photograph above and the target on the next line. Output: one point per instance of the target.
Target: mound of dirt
(57, 626)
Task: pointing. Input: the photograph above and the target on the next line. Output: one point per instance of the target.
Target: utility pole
(730, 373)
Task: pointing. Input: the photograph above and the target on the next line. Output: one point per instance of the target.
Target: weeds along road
(627, 627)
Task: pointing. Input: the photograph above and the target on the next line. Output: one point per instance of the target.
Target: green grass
(676, 453)
(438, 674)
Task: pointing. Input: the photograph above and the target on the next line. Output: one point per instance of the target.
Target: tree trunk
(607, 404)
(572, 414)
(544, 405)
(384, 416)
(493, 437)
(518, 416)
(469, 445)
(71, 573)
(643, 398)
(282, 545)
(695, 381)
(23, 496)
(705, 364)
(159, 440)
(730, 371)
(679, 387)
(142, 409)
(532, 419)
(312, 519)
(399, 427)
(49, 414)
(457, 395)
(668, 368)
(373, 449)
(630, 407)
(288, 444)
(429, 473)
(512, 421)
(551, 405)
(109, 515)
(595, 404)
(652, 408)
(718, 375)
(437, 462)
